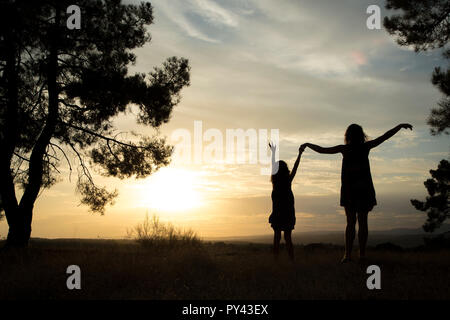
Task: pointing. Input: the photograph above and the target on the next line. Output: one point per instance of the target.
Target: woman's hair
(282, 175)
(355, 134)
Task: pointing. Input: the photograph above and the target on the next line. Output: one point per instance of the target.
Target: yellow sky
(305, 68)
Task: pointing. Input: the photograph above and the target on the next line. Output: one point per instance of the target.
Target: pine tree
(61, 89)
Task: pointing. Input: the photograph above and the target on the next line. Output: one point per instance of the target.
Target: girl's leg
(289, 245)
(349, 232)
(363, 232)
(276, 242)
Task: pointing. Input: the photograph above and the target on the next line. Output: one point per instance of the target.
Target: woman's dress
(357, 190)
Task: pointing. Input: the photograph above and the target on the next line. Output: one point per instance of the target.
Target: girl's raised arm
(389, 134)
(297, 162)
(273, 148)
(330, 150)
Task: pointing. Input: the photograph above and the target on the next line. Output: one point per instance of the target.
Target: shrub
(153, 232)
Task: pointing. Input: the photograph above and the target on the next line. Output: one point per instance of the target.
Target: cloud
(196, 17)
(215, 13)
(176, 12)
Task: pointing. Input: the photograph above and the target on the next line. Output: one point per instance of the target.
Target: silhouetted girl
(357, 191)
(283, 211)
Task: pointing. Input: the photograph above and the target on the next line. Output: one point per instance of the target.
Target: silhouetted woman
(357, 191)
(282, 217)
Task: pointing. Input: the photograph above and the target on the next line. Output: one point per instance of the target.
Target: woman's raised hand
(406, 126)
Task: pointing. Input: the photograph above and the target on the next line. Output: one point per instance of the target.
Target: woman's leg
(276, 242)
(349, 232)
(289, 245)
(363, 232)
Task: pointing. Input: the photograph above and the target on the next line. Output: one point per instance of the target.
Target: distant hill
(401, 236)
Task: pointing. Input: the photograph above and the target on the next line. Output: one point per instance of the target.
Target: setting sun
(171, 189)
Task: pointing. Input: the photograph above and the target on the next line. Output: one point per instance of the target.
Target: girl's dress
(357, 191)
(283, 210)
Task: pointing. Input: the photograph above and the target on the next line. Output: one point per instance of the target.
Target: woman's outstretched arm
(389, 134)
(319, 149)
(297, 162)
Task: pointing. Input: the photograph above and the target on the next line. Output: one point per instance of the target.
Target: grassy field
(115, 269)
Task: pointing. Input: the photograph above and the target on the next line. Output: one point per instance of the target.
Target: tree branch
(107, 139)
(70, 105)
(65, 156)
(83, 166)
(21, 157)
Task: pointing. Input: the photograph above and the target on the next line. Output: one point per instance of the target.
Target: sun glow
(171, 189)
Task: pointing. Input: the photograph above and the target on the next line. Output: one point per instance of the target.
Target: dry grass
(126, 270)
(152, 232)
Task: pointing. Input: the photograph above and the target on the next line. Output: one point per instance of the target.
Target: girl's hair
(282, 174)
(355, 134)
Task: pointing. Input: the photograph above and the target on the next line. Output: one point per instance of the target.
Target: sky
(305, 68)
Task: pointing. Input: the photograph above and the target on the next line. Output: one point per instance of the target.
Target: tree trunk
(19, 223)
(19, 216)
(9, 132)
